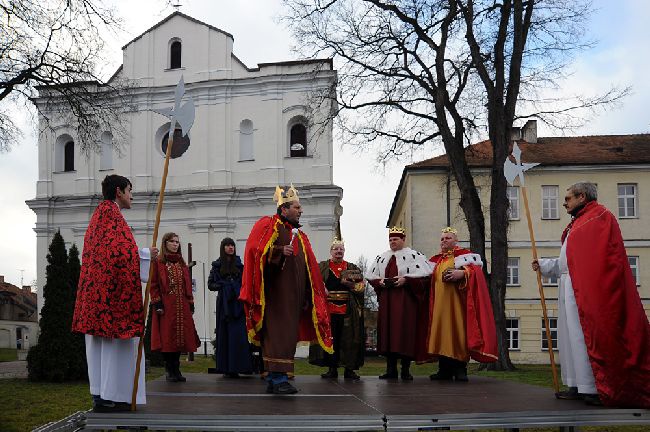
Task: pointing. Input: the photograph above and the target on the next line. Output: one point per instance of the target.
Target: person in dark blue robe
(233, 352)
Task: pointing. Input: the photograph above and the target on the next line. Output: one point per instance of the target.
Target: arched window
(246, 150)
(298, 140)
(175, 49)
(106, 158)
(180, 145)
(68, 156)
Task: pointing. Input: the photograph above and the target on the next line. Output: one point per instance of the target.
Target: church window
(552, 280)
(68, 156)
(513, 202)
(512, 276)
(512, 327)
(552, 324)
(550, 202)
(180, 145)
(626, 201)
(246, 150)
(106, 157)
(175, 50)
(634, 266)
(298, 140)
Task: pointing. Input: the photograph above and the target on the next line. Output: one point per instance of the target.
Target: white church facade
(254, 128)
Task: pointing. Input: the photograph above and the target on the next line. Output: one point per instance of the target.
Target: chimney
(2, 279)
(529, 131)
(27, 289)
(515, 133)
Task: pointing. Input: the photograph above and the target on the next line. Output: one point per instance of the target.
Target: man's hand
(381, 283)
(401, 281)
(287, 250)
(535, 265)
(154, 253)
(452, 275)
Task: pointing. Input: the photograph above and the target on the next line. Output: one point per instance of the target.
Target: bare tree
(370, 296)
(417, 73)
(55, 47)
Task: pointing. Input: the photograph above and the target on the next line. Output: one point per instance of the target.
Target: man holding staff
(603, 331)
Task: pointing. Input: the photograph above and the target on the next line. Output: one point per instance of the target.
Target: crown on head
(449, 230)
(280, 197)
(396, 232)
(337, 242)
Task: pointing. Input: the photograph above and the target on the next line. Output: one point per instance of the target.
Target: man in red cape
(460, 314)
(109, 309)
(283, 291)
(603, 331)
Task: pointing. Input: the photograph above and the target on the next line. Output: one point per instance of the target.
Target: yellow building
(427, 200)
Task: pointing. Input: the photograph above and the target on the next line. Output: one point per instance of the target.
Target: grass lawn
(27, 404)
(8, 354)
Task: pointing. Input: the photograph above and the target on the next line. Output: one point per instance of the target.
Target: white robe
(111, 362)
(576, 368)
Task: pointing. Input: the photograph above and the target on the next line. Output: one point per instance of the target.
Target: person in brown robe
(401, 278)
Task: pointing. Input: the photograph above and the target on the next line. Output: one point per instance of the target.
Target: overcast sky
(621, 58)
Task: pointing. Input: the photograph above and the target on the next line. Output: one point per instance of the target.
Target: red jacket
(109, 294)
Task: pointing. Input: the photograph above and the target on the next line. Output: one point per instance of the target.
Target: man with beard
(401, 278)
(283, 291)
(345, 288)
(603, 331)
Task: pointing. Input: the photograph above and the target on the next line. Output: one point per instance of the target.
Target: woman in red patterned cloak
(172, 326)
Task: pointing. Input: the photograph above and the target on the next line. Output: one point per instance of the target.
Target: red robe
(314, 325)
(174, 330)
(480, 328)
(109, 294)
(614, 323)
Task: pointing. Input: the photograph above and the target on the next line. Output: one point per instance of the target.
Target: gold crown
(337, 242)
(397, 230)
(449, 230)
(280, 197)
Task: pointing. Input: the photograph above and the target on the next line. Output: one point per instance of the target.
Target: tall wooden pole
(549, 340)
(154, 240)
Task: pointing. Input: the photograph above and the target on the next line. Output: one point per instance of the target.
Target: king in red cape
(283, 291)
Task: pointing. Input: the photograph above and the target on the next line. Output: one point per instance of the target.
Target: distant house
(18, 315)
(427, 200)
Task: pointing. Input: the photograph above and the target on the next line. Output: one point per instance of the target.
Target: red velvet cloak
(109, 294)
(174, 330)
(614, 323)
(480, 326)
(314, 326)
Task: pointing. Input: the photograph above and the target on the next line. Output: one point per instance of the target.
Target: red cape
(109, 294)
(314, 325)
(481, 330)
(614, 323)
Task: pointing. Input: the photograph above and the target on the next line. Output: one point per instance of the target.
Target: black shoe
(349, 374)
(593, 400)
(231, 375)
(461, 375)
(330, 374)
(284, 388)
(571, 394)
(106, 406)
(439, 376)
(269, 387)
(388, 375)
(406, 376)
(177, 372)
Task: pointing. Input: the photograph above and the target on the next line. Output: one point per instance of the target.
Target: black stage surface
(213, 403)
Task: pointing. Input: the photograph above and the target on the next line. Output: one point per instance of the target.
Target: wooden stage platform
(213, 403)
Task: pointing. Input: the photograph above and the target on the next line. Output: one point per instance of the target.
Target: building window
(512, 327)
(246, 152)
(550, 200)
(298, 140)
(180, 145)
(175, 49)
(550, 281)
(634, 266)
(513, 272)
(552, 324)
(106, 157)
(68, 156)
(627, 200)
(513, 202)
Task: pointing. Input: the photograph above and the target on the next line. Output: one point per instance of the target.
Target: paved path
(13, 369)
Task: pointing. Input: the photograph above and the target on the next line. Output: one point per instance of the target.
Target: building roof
(549, 151)
(558, 151)
(22, 298)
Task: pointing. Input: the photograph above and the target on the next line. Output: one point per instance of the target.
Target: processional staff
(512, 171)
(184, 116)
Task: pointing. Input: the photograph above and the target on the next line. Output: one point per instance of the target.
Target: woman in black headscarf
(232, 349)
